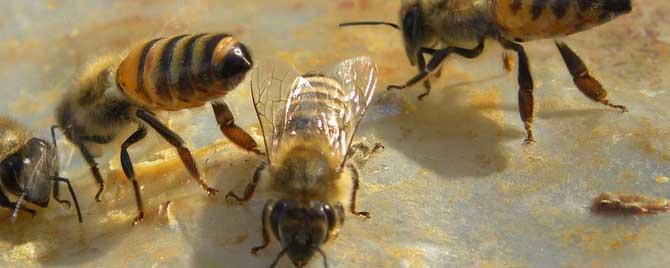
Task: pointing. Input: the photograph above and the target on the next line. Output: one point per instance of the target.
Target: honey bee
(164, 74)
(29, 170)
(442, 27)
(308, 129)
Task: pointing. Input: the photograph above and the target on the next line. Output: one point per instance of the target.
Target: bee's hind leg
(226, 121)
(582, 79)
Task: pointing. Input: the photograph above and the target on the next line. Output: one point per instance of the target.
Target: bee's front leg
(251, 187)
(435, 63)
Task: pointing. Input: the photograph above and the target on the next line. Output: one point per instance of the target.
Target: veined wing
(358, 77)
(270, 88)
(327, 106)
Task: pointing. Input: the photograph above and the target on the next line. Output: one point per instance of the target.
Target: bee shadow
(442, 133)
(225, 232)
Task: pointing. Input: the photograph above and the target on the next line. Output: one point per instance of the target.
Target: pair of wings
(274, 84)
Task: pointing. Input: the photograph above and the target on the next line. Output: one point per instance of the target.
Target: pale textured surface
(454, 187)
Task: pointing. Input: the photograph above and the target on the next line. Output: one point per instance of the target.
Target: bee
(440, 28)
(165, 74)
(307, 130)
(29, 170)
(630, 203)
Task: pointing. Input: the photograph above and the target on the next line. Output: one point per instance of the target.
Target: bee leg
(364, 151)
(525, 81)
(251, 187)
(421, 64)
(127, 166)
(354, 192)
(56, 195)
(436, 61)
(56, 186)
(226, 121)
(178, 143)
(4, 202)
(265, 220)
(57, 179)
(94, 169)
(582, 79)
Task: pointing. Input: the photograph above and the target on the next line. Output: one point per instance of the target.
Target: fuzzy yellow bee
(164, 74)
(440, 28)
(309, 122)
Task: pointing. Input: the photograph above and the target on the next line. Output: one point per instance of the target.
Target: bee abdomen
(523, 20)
(321, 105)
(183, 71)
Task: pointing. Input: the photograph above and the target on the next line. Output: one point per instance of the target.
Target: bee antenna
(323, 255)
(358, 23)
(15, 213)
(274, 263)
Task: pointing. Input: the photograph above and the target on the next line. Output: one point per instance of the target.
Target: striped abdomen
(316, 109)
(183, 71)
(523, 20)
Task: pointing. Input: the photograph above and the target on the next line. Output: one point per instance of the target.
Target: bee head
(302, 228)
(234, 65)
(412, 26)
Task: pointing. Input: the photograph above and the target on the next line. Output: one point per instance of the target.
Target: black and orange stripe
(524, 20)
(183, 71)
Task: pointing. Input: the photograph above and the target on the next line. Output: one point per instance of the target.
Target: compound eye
(277, 212)
(330, 216)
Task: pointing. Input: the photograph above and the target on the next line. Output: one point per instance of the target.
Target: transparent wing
(326, 106)
(270, 87)
(358, 77)
(34, 176)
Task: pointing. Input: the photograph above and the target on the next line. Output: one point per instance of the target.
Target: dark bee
(167, 74)
(442, 27)
(29, 170)
(308, 129)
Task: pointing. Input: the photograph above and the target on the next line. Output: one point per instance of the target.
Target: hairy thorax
(306, 172)
(458, 22)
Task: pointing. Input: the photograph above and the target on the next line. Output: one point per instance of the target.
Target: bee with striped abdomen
(164, 74)
(29, 170)
(442, 27)
(308, 129)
